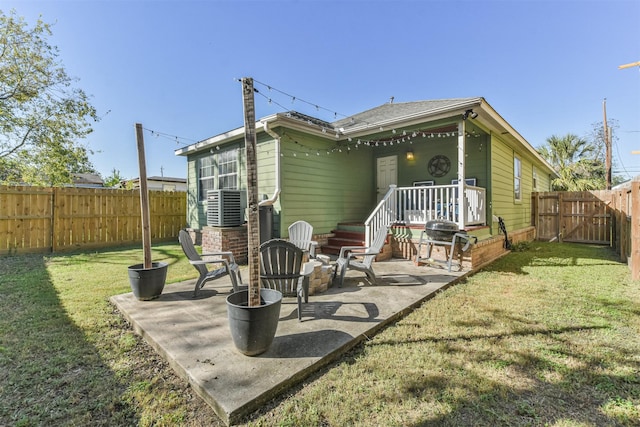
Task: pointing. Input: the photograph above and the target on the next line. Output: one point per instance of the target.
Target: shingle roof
(396, 111)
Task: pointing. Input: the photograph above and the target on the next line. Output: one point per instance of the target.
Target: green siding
(516, 214)
(324, 186)
(324, 189)
(424, 149)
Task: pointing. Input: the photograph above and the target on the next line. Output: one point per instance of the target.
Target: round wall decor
(439, 165)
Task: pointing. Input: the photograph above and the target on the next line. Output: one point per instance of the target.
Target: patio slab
(193, 334)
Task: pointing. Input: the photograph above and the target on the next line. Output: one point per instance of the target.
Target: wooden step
(346, 234)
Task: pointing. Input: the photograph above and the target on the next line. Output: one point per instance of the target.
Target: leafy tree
(42, 116)
(577, 161)
(114, 179)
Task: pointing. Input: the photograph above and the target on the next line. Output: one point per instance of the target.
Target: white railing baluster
(417, 205)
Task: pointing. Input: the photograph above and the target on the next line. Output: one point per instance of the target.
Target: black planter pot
(147, 283)
(253, 328)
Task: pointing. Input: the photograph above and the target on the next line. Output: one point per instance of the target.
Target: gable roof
(378, 118)
(394, 112)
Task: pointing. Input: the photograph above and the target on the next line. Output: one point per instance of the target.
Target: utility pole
(607, 144)
(633, 64)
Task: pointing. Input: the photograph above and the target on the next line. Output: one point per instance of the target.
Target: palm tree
(576, 162)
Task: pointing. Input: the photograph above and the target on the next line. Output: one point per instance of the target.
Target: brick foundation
(234, 239)
(480, 254)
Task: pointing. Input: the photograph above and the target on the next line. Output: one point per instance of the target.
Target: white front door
(386, 175)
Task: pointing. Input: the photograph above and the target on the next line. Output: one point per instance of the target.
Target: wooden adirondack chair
(228, 266)
(360, 257)
(300, 233)
(281, 268)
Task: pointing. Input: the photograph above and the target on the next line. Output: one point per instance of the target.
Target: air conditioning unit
(224, 208)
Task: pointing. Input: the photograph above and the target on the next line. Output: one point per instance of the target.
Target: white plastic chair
(225, 261)
(349, 254)
(300, 234)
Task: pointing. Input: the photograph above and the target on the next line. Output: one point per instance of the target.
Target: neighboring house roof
(162, 178)
(178, 184)
(87, 180)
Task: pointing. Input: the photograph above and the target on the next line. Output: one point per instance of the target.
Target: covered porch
(462, 201)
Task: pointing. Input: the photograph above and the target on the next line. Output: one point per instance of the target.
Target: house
(87, 180)
(399, 164)
(157, 183)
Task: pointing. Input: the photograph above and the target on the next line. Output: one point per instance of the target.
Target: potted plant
(254, 313)
(147, 279)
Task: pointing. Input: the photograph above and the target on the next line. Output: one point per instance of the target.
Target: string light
(405, 135)
(172, 138)
(295, 98)
(318, 107)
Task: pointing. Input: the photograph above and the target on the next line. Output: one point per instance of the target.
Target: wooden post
(621, 223)
(144, 198)
(462, 209)
(607, 145)
(253, 220)
(635, 230)
(561, 227)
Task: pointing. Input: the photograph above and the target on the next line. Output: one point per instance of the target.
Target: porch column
(462, 208)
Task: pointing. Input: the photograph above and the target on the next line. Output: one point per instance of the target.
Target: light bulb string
(326, 126)
(174, 138)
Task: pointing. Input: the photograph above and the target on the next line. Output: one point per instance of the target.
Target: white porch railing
(417, 205)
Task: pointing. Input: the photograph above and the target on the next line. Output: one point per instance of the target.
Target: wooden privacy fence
(610, 217)
(582, 217)
(42, 219)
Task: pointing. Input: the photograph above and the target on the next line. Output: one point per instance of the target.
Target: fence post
(560, 218)
(635, 230)
(52, 222)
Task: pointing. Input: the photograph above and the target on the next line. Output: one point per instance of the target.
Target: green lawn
(549, 335)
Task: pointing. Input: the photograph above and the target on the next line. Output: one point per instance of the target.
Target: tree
(114, 179)
(42, 116)
(578, 163)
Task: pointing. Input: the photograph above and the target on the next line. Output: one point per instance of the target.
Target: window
(219, 171)
(468, 181)
(535, 179)
(517, 178)
(228, 170)
(206, 177)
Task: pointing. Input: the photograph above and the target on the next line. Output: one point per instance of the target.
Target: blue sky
(545, 66)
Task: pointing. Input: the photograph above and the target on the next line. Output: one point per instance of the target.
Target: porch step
(346, 234)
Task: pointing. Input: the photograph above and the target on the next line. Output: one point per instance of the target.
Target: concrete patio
(194, 337)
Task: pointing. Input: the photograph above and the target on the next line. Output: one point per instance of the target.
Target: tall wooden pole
(144, 198)
(253, 228)
(607, 144)
(633, 64)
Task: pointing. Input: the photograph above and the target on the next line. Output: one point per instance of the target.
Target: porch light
(410, 155)
(469, 113)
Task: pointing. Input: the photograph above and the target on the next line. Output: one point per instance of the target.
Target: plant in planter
(147, 279)
(253, 314)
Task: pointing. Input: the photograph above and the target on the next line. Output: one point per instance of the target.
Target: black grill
(441, 229)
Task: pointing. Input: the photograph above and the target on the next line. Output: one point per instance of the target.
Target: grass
(548, 335)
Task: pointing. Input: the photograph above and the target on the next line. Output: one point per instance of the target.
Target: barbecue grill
(441, 229)
(441, 232)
